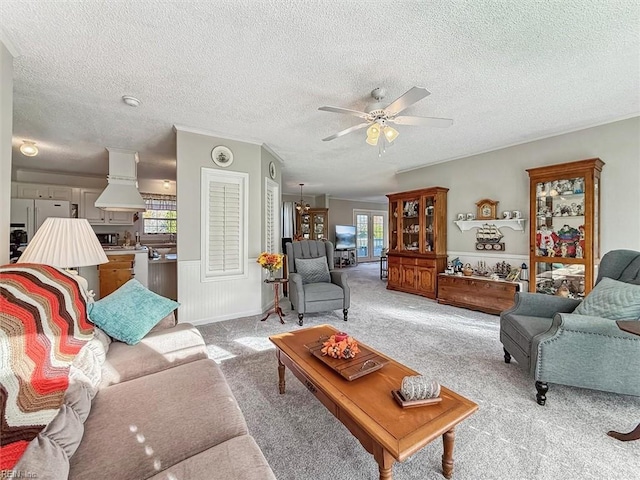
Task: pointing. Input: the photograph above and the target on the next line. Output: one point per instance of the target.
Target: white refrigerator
(28, 214)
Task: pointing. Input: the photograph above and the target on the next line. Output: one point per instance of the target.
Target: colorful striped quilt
(43, 325)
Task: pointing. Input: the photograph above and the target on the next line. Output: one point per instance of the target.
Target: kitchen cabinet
(116, 273)
(564, 247)
(417, 240)
(97, 216)
(51, 192)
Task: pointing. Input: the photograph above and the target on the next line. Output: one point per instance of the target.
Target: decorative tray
(363, 363)
(397, 395)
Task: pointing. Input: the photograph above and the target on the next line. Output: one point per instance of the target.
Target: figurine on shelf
(550, 251)
(578, 185)
(563, 250)
(579, 252)
(545, 240)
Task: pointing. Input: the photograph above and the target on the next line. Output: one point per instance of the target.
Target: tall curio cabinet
(313, 224)
(564, 245)
(417, 240)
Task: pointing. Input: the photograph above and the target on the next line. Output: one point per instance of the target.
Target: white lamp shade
(64, 243)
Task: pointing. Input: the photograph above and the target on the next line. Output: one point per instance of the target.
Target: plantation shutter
(271, 217)
(224, 223)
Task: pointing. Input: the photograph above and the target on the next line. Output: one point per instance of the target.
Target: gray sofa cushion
(238, 458)
(613, 300)
(320, 292)
(140, 427)
(157, 351)
(522, 328)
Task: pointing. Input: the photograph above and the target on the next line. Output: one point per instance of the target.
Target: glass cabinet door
(305, 226)
(410, 225)
(394, 211)
(318, 226)
(430, 224)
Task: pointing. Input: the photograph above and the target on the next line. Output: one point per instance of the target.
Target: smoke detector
(131, 101)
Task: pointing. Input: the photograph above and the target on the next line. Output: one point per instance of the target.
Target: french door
(371, 233)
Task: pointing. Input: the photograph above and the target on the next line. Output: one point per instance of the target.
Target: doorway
(371, 234)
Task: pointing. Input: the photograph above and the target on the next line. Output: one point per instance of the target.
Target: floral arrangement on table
(340, 345)
(270, 262)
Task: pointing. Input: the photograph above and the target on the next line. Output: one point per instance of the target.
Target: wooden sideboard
(476, 293)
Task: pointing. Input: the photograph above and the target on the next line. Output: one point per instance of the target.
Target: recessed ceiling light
(28, 148)
(131, 101)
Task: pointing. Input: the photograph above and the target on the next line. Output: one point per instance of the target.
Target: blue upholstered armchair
(313, 284)
(556, 344)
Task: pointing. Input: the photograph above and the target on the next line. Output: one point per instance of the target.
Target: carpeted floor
(509, 437)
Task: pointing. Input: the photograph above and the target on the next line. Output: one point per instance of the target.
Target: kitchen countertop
(168, 258)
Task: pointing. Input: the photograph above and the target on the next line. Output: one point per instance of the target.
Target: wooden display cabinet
(417, 240)
(314, 224)
(564, 248)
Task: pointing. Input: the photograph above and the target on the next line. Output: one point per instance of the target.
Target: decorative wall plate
(222, 156)
(272, 170)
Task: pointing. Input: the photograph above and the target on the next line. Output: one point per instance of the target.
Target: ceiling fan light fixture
(390, 134)
(373, 134)
(28, 149)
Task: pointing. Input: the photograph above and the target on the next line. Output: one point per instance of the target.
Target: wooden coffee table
(366, 407)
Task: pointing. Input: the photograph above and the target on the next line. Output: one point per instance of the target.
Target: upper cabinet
(565, 233)
(417, 240)
(314, 224)
(417, 221)
(52, 192)
(97, 216)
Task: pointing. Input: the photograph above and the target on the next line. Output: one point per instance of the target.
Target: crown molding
(212, 133)
(524, 142)
(273, 153)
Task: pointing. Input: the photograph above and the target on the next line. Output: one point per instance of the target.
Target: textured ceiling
(505, 71)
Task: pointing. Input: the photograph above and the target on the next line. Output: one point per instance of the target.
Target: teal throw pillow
(613, 300)
(313, 270)
(130, 312)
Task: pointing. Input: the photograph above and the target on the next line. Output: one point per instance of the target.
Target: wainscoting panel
(205, 302)
(163, 279)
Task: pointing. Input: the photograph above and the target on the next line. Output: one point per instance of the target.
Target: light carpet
(509, 437)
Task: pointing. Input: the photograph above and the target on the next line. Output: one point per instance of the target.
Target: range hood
(121, 194)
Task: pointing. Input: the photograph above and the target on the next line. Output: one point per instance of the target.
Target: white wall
(501, 175)
(6, 132)
(225, 299)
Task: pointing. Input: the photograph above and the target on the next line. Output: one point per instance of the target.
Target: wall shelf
(513, 223)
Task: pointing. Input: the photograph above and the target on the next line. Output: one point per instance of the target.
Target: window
(224, 224)
(161, 214)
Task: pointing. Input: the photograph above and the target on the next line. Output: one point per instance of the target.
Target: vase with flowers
(271, 262)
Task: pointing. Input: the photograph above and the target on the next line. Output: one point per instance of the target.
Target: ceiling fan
(377, 118)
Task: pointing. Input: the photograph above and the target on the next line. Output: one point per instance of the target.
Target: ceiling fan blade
(410, 97)
(355, 113)
(344, 132)
(425, 121)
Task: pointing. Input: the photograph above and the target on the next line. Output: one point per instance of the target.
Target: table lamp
(65, 243)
